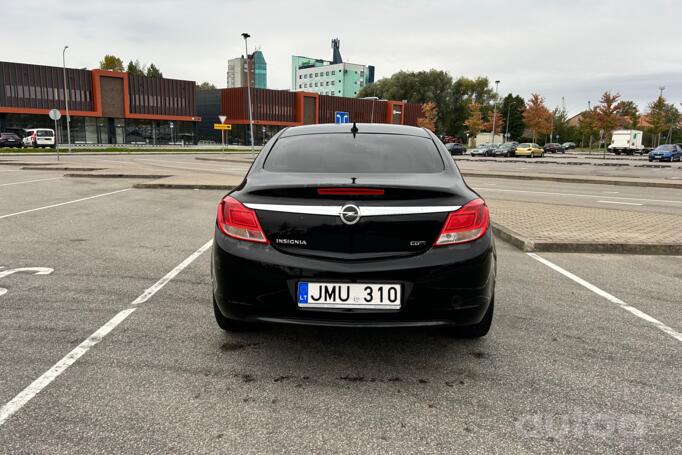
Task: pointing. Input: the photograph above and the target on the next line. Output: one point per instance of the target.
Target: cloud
(574, 49)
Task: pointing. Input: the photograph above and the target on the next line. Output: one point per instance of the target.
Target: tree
(512, 110)
(607, 114)
(452, 98)
(661, 116)
(587, 125)
(430, 114)
(206, 86)
(672, 118)
(499, 123)
(136, 68)
(153, 71)
(111, 63)
(415, 87)
(475, 121)
(629, 110)
(537, 117)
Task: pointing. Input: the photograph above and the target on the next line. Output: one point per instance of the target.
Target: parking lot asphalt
(564, 369)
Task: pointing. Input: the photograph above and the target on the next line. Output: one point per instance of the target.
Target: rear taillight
(239, 222)
(466, 224)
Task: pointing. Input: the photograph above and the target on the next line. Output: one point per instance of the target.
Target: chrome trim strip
(335, 210)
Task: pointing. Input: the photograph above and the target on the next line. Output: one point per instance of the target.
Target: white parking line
(58, 368)
(29, 181)
(640, 314)
(617, 202)
(69, 359)
(146, 295)
(62, 203)
(551, 193)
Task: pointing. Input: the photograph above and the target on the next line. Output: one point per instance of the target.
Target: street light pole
(66, 101)
(506, 130)
(661, 88)
(246, 36)
(589, 112)
(373, 98)
(495, 110)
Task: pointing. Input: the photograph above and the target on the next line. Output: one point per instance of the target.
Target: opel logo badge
(350, 214)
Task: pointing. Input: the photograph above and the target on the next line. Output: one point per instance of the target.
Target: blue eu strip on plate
(302, 292)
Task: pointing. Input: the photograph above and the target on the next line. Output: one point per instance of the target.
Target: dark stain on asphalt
(352, 378)
(228, 347)
(423, 381)
(246, 377)
(479, 354)
(282, 378)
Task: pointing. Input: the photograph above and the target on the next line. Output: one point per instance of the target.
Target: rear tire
(230, 325)
(478, 330)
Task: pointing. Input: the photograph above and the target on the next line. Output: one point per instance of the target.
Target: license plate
(349, 295)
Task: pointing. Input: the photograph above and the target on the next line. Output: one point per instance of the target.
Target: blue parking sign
(341, 117)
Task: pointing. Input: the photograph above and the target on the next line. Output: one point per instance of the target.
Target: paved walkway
(545, 227)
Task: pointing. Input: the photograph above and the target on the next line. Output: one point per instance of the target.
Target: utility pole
(661, 88)
(506, 130)
(66, 100)
(589, 111)
(497, 83)
(246, 36)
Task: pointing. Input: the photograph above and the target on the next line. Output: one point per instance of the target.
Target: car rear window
(666, 148)
(366, 153)
(44, 133)
(524, 145)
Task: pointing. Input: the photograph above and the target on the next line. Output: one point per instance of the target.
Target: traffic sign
(55, 114)
(341, 117)
(222, 126)
(222, 118)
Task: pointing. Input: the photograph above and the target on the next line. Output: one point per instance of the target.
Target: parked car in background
(553, 147)
(568, 145)
(456, 148)
(507, 149)
(10, 140)
(483, 150)
(666, 152)
(529, 149)
(628, 142)
(40, 137)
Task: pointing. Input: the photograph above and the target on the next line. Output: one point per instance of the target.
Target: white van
(628, 142)
(39, 137)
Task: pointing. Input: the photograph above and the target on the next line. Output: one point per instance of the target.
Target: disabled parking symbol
(31, 270)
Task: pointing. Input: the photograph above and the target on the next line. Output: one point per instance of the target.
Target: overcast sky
(570, 48)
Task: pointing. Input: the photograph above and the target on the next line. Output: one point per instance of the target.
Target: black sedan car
(370, 225)
(456, 148)
(553, 147)
(507, 149)
(10, 140)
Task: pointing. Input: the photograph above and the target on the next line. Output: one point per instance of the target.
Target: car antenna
(354, 130)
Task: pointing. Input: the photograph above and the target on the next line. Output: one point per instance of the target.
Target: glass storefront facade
(94, 130)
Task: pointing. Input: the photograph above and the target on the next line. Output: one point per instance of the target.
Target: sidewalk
(543, 227)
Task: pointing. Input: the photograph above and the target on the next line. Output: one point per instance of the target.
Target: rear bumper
(445, 286)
